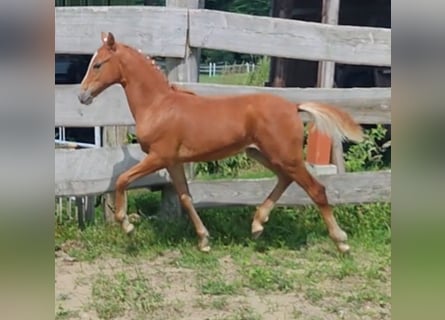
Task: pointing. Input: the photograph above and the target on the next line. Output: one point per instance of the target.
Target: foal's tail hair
(334, 122)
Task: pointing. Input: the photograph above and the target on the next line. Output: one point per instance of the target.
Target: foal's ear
(108, 39)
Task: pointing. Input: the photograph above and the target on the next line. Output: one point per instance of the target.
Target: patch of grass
(63, 314)
(368, 227)
(347, 267)
(115, 295)
(282, 258)
(232, 78)
(194, 259)
(218, 286)
(265, 278)
(313, 294)
(367, 294)
(142, 200)
(219, 303)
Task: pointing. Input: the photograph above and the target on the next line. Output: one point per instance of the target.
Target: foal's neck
(142, 81)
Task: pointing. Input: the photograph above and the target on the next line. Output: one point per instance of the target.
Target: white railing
(212, 69)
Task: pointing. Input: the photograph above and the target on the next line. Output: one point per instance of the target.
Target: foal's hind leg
(317, 193)
(180, 183)
(263, 211)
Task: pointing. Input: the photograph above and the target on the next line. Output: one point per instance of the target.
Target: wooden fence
(175, 33)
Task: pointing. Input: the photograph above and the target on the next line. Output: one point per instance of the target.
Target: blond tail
(334, 122)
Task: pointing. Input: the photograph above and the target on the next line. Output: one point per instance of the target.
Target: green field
(235, 79)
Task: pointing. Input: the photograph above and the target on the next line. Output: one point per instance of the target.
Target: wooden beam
(367, 105)
(352, 188)
(290, 38)
(94, 171)
(162, 31)
(158, 31)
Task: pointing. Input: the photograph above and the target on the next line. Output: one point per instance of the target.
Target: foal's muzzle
(85, 97)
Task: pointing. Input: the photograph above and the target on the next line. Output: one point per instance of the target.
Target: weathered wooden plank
(367, 105)
(158, 31)
(353, 188)
(94, 171)
(290, 38)
(110, 108)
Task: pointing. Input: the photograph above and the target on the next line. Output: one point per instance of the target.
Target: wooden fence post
(112, 137)
(183, 70)
(321, 149)
(85, 210)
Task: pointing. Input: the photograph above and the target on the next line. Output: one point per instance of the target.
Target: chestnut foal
(174, 126)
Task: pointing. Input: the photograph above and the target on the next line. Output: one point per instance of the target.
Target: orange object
(318, 148)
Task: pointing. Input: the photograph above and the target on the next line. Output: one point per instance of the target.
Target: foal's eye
(97, 65)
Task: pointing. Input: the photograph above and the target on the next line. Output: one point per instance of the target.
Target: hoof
(257, 230)
(203, 244)
(343, 247)
(256, 234)
(134, 218)
(128, 227)
(204, 249)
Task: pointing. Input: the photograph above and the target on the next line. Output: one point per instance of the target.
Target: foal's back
(238, 108)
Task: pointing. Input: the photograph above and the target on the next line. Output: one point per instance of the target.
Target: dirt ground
(99, 290)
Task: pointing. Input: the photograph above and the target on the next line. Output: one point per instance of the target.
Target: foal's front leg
(180, 183)
(149, 164)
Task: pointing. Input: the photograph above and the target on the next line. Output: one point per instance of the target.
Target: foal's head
(103, 71)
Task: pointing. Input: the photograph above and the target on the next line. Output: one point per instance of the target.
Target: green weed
(115, 295)
(218, 286)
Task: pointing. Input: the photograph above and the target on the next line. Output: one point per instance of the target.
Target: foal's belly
(210, 153)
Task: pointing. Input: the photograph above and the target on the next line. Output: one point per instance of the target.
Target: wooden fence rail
(162, 31)
(366, 105)
(94, 171)
(158, 31)
(289, 38)
(346, 188)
